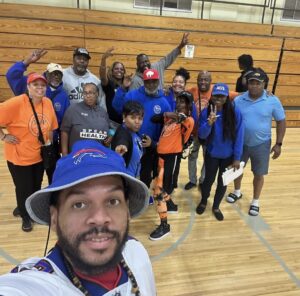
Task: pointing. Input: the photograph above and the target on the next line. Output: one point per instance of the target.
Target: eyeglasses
(89, 93)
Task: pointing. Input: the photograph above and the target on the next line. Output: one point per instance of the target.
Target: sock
(255, 202)
(237, 192)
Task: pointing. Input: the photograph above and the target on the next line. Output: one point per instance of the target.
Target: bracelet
(2, 139)
(279, 144)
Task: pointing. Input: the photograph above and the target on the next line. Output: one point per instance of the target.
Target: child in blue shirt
(126, 140)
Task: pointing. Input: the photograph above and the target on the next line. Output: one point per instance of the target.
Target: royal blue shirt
(153, 105)
(217, 146)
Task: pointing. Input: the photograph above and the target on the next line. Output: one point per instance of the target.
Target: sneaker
(189, 186)
(16, 212)
(171, 207)
(161, 231)
(151, 200)
(26, 224)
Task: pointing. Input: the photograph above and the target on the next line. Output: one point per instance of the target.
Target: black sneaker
(189, 186)
(26, 224)
(171, 207)
(161, 231)
(16, 212)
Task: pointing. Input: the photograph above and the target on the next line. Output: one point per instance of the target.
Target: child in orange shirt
(177, 129)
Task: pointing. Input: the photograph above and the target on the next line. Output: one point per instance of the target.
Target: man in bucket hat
(88, 205)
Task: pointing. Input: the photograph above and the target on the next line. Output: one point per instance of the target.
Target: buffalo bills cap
(88, 159)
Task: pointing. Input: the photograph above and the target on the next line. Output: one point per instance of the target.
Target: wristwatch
(279, 144)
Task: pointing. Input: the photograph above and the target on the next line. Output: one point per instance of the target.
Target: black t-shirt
(109, 91)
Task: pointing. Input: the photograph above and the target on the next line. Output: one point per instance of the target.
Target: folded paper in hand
(230, 175)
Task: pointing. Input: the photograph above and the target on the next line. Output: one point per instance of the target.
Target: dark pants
(171, 168)
(27, 180)
(212, 166)
(177, 169)
(148, 166)
(50, 171)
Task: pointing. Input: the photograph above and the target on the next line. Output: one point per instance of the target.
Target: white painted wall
(214, 11)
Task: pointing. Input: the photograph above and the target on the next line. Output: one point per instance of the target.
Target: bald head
(204, 80)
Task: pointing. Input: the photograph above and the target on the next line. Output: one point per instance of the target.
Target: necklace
(77, 283)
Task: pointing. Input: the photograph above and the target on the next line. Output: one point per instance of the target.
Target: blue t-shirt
(257, 117)
(134, 166)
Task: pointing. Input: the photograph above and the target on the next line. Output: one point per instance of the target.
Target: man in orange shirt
(201, 94)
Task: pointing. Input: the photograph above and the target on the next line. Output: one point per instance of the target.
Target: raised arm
(103, 66)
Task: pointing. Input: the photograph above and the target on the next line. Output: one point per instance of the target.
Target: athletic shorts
(259, 156)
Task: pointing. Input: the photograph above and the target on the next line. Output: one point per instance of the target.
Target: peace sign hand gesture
(34, 56)
(212, 116)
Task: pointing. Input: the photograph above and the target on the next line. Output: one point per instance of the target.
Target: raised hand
(212, 115)
(184, 40)
(34, 56)
(127, 80)
(108, 53)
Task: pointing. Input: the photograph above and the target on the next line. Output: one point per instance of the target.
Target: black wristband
(279, 144)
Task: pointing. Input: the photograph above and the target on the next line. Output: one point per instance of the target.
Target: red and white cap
(150, 74)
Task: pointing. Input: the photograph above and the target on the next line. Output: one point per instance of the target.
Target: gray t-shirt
(84, 122)
(73, 84)
(160, 66)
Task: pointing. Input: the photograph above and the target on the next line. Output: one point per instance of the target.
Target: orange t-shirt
(170, 140)
(17, 116)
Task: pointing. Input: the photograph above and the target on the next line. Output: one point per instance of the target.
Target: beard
(71, 250)
(151, 92)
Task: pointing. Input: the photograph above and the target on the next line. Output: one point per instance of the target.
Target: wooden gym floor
(239, 256)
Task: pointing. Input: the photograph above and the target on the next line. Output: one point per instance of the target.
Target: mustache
(97, 230)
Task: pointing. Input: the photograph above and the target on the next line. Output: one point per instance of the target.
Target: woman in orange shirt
(22, 149)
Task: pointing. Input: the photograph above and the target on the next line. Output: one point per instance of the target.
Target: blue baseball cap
(220, 89)
(88, 160)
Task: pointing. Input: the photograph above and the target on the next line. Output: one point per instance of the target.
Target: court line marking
(277, 257)
(8, 257)
(184, 235)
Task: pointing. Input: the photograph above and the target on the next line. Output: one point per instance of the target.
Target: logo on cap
(219, 87)
(83, 153)
(149, 74)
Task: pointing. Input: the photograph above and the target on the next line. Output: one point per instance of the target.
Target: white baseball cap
(54, 67)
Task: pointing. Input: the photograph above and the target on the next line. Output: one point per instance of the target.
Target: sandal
(253, 210)
(232, 198)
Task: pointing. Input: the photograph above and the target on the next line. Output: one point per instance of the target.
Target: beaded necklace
(77, 283)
